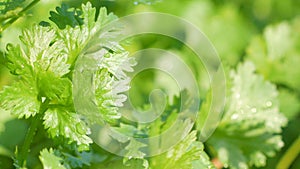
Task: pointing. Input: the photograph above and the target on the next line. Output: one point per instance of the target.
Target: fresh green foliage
(50, 160)
(44, 86)
(65, 17)
(262, 87)
(276, 55)
(7, 6)
(248, 132)
(187, 154)
(12, 10)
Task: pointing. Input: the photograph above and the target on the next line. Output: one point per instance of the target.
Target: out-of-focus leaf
(187, 154)
(276, 54)
(248, 132)
(50, 160)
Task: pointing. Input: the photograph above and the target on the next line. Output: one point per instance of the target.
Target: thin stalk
(25, 149)
(290, 155)
(22, 156)
(18, 15)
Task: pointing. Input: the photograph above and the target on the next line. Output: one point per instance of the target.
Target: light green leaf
(60, 121)
(252, 116)
(134, 154)
(44, 52)
(278, 40)
(50, 160)
(276, 53)
(96, 47)
(184, 155)
(20, 99)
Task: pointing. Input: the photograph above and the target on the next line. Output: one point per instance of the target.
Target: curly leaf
(252, 116)
(186, 154)
(62, 122)
(20, 99)
(50, 160)
(65, 16)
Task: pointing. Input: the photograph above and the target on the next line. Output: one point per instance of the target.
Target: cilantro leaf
(79, 160)
(17, 65)
(96, 44)
(20, 99)
(134, 154)
(107, 95)
(276, 53)
(62, 122)
(182, 156)
(251, 116)
(50, 160)
(44, 52)
(274, 37)
(66, 16)
(44, 62)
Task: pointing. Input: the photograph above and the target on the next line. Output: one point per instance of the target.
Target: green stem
(18, 15)
(25, 149)
(290, 155)
(22, 156)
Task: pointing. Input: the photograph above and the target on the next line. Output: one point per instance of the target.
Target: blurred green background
(266, 32)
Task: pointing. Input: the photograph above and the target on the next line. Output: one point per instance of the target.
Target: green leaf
(44, 52)
(276, 53)
(50, 160)
(251, 116)
(20, 99)
(79, 160)
(134, 153)
(54, 88)
(278, 40)
(60, 121)
(107, 95)
(203, 162)
(66, 16)
(10, 5)
(97, 48)
(253, 98)
(184, 155)
(17, 61)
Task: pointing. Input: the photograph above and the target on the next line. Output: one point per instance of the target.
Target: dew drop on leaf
(254, 110)
(269, 104)
(238, 95)
(235, 116)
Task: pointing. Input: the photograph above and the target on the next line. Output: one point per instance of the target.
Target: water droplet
(43, 99)
(234, 116)
(280, 144)
(254, 110)
(269, 104)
